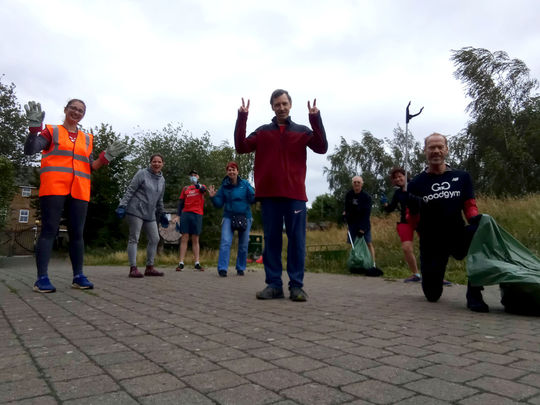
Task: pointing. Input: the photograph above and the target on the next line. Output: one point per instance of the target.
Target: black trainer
(222, 273)
(475, 302)
(297, 294)
(199, 267)
(270, 293)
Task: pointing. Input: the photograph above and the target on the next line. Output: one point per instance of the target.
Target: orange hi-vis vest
(65, 165)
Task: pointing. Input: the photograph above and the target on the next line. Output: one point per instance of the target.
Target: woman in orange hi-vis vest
(66, 166)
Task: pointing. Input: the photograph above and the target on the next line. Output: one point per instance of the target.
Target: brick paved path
(195, 338)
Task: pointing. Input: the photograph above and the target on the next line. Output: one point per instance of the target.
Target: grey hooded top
(144, 196)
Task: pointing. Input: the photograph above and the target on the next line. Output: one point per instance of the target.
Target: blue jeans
(227, 236)
(275, 212)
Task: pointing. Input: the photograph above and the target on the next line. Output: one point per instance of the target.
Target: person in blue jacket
(236, 196)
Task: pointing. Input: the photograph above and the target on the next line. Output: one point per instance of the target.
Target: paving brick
(246, 394)
(406, 362)
(316, 394)
(107, 359)
(392, 375)
(72, 371)
(333, 376)
(112, 398)
(440, 389)
(531, 379)
(490, 357)
(366, 351)
(352, 362)
(246, 365)
(214, 380)
(449, 360)
(421, 399)
(506, 372)
(121, 371)
(47, 400)
(277, 379)
(20, 360)
(448, 373)
(189, 366)
(270, 352)
(318, 352)
(19, 372)
(534, 400)
(298, 363)
(183, 396)
(84, 387)
(21, 389)
(407, 350)
(487, 399)
(151, 384)
(377, 392)
(505, 388)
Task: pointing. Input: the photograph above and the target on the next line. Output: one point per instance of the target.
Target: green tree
(182, 152)
(396, 146)
(367, 158)
(13, 126)
(325, 207)
(13, 131)
(103, 228)
(499, 146)
(7, 188)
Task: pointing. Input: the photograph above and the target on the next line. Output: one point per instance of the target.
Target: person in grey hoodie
(143, 204)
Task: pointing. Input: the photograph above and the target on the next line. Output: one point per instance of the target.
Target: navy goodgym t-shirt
(441, 199)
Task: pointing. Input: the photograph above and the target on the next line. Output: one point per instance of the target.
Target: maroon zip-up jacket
(280, 158)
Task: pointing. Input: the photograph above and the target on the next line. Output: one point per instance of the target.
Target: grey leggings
(151, 230)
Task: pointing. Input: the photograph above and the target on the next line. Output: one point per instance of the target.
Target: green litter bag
(360, 258)
(496, 257)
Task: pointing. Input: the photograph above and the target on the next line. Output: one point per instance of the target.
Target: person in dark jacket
(438, 198)
(280, 184)
(403, 228)
(357, 213)
(235, 196)
(142, 204)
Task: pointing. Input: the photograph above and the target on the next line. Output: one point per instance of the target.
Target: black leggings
(51, 213)
(435, 250)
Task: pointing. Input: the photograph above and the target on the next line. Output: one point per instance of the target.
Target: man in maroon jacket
(280, 176)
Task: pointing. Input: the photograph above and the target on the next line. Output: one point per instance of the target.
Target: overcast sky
(143, 64)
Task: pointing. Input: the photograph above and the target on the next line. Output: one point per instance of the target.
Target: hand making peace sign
(314, 109)
(244, 107)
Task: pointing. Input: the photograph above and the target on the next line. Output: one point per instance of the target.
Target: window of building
(26, 191)
(23, 216)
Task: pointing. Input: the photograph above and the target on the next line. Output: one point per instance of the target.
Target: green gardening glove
(34, 114)
(114, 150)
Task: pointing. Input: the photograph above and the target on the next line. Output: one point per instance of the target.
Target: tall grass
(328, 250)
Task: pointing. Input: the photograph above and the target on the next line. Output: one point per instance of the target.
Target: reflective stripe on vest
(65, 166)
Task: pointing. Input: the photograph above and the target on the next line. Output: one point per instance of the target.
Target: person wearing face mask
(235, 196)
(142, 204)
(190, 212)
(66, 165)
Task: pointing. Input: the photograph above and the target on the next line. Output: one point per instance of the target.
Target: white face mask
(193, 179)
